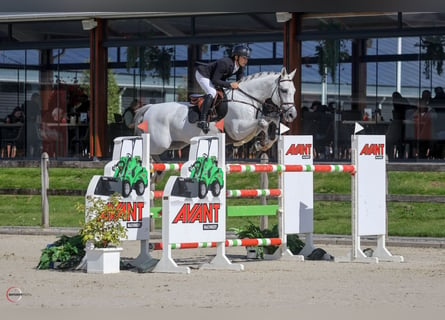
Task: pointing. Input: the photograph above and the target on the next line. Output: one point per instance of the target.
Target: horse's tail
(139, 118)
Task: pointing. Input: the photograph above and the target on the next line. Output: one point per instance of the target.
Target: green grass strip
(255, 210)
(237, 211)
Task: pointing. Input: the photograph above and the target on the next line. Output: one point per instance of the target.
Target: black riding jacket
(219, 71)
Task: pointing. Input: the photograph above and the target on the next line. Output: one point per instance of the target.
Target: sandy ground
(412, 287)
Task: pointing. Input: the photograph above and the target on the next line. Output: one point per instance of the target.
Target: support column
(193, 54)
(292, 60)
(358, 81)
(98, 92)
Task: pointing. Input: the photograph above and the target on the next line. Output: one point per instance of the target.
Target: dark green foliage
(330, 52)
(252, 231)
(434, 54)
(65, 253)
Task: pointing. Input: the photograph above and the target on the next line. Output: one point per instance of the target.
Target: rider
(215, 74)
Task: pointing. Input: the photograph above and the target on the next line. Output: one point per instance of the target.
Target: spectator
(397, 141)
(439, 96)
(12, 138)
(33, 121)
(129, 113)
(423, 118)
(400, 106)
(17, 115)
(315, 106)
(58, 115)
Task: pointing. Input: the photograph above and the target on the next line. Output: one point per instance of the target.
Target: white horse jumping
(254, 110)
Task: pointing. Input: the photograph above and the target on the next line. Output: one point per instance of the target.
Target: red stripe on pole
(263, 168)
(157, 194)
(293, 167)
(163, 166)
(256, 193)
(189, 245)
(254, 242)
(235, 168)
(158, 166)
(349, 168)
(322, 168)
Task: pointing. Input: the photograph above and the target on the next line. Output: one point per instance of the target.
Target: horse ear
(283, 72)
(292, 74)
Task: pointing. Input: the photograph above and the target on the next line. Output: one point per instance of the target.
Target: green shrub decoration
(65, 253)
(252, 231)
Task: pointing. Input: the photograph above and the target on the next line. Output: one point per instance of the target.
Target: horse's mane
(258, 75)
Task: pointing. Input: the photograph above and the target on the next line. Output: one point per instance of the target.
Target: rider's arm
(221, 73)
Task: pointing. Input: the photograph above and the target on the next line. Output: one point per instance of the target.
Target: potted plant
(252, 231)
(102, 233)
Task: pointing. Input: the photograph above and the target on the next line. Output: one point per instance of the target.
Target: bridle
(268, 101)
(283, 103)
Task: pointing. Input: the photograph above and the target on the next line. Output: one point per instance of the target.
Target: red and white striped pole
(258, 242)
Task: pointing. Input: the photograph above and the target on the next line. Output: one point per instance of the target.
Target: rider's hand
(234, 85)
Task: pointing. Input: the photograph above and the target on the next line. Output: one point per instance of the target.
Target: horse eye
(284, 90)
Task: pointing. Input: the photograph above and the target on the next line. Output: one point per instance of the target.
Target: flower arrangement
(103, 227)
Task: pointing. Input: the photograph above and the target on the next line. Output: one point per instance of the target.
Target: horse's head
(284, 95)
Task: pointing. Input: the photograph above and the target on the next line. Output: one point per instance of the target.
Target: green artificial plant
(252, 231)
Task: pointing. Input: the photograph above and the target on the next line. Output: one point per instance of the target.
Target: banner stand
(194, 205)
(368, 190)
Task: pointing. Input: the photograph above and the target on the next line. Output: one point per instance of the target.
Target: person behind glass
(15, 116)
(439, 96)
(129, 113)
(33, 121)
(83, 107)
(423, 118)
(215, 74)
(400, 106)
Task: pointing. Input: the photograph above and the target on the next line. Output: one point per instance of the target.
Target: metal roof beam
(366, 34)
(263, 37)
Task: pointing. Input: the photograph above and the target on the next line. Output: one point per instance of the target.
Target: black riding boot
(206, 104)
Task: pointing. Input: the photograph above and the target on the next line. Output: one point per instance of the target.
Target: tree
(330, 52)
(434, 54)
(151, 58)
(113, 104)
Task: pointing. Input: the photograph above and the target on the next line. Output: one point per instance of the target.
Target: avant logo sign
(300, 149)
(373, 149)
(200, 212)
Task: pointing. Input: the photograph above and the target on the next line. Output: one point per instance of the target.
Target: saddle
(217, 111)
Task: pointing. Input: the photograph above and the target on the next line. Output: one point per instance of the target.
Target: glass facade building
(368, 68)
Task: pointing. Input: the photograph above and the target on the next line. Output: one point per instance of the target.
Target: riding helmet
(241, 50)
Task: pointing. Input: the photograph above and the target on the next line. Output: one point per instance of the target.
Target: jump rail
(258, 242)
(243, 193)
(230, 168)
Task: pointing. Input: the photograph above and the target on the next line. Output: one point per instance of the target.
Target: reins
(261, 103)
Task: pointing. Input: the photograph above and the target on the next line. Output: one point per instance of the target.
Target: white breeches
(205, 84)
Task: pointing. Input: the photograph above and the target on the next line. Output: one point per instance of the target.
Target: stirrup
(204, 126)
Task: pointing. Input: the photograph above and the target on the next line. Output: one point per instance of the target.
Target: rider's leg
(206, 104)
(205, 84)
(210, 91)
